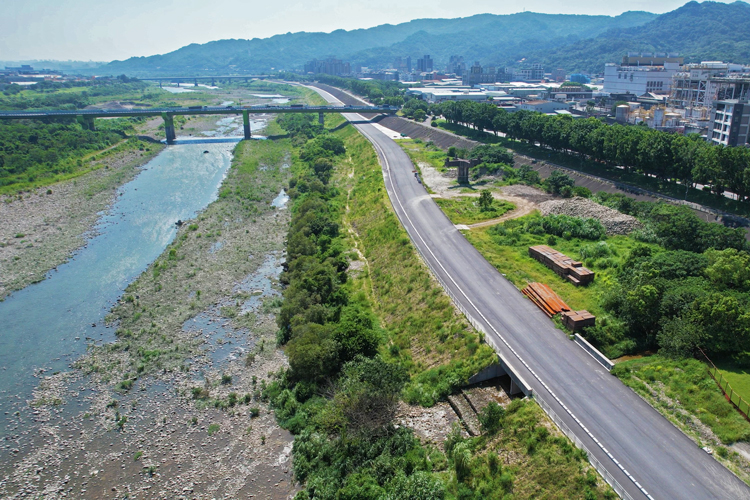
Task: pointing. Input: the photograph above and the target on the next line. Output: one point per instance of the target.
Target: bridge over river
(86, 117)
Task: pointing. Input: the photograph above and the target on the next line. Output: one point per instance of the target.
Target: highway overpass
(87, 116)
(639, 452)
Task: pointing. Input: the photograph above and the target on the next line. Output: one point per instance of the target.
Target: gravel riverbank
(42, 229)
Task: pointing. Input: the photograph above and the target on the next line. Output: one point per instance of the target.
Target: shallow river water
(46, 326)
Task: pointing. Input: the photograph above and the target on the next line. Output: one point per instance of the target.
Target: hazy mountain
(706, 31)
(699, 31)
(473, 37)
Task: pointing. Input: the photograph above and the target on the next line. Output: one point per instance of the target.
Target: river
(48, 325)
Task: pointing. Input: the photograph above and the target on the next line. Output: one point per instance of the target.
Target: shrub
(573, 227)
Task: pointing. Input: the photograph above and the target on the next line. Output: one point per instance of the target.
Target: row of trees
(669, 157)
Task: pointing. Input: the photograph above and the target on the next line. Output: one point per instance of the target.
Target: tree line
(668, 157)
(338, 397)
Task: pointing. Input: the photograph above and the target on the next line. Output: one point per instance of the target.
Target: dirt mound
(612, 220)
(532, 194)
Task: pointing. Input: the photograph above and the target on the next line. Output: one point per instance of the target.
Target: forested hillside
(699, 31)
(474, 37)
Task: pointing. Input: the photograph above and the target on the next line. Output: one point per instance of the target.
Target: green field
(465, 210)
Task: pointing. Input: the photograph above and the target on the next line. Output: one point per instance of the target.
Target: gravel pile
(612, 220)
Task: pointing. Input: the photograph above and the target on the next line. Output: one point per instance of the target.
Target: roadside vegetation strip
(682, 391)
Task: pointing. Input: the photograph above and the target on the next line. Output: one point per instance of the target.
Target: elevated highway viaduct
(87, 116)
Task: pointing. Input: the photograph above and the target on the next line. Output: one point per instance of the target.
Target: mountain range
(698, 31)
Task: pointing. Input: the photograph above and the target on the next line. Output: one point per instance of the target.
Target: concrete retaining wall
(601, 358)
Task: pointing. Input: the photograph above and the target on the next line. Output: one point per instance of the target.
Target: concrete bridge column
(213, 84)
(196, 82)
(321, 118)
(246, 124)
(159, 83)
(87, 122)
(169, 127)
(178, 83)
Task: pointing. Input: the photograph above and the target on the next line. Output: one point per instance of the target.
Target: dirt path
(525, 198)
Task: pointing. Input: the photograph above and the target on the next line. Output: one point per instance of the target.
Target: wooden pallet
(547, 300)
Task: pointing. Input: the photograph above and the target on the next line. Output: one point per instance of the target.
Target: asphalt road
(642, 450)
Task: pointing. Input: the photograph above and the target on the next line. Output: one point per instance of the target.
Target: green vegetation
(34, 153)
(356, 345)
(659, 161)
(671, 385)
(69, 95)
(421, 152)
(213, 429)
(673, 286)
(465, 210)
(670, 32)
(519, 456)
(377, 91)
(426, 335)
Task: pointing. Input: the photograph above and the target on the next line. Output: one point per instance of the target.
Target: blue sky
(103, 30)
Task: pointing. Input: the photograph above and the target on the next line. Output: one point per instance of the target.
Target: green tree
(485, 200)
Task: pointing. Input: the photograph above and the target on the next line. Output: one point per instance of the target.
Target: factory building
(639, 74)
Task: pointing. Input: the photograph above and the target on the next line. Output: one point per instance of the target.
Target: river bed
(48, 325)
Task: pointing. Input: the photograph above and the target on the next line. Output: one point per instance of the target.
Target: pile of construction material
(612, 220)
(575, 320)
(564, 266)
(550, 303)
(547, 300)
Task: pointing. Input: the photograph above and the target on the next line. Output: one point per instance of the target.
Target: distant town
(655, 89)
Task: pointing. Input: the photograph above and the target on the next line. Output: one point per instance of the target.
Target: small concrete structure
(463, 167)
(499, 369)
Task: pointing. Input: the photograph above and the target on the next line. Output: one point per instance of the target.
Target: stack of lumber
(563, 265)
(575, 320)
(547, 300)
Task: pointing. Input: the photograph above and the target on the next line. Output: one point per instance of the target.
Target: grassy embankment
(432, 340)
(419, 331)
(613, 174)
(187, 278)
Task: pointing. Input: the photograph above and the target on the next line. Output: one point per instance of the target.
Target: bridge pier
(246, 124)
(169, 127)
(196, 82)
(159, 83)
(213, 84)
(87, 122)
(321, 118)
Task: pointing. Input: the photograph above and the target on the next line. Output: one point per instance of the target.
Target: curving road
(642, 450)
